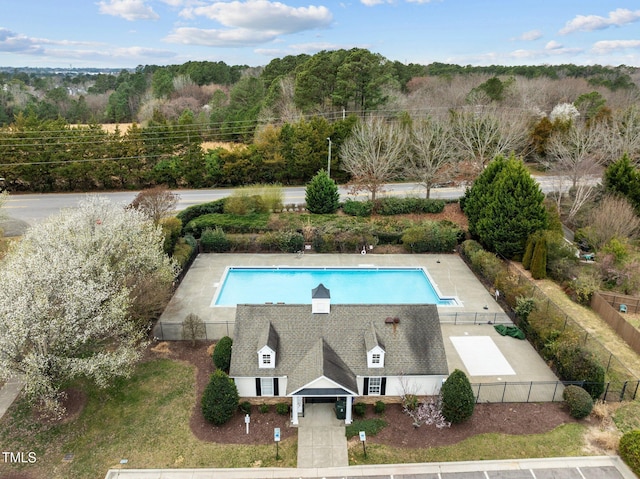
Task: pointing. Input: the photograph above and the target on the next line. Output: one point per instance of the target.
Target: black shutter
(383, 386)
(276, 391)
(258, 391)
(365, 392)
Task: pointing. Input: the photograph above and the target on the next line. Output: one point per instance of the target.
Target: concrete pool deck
(448, 272)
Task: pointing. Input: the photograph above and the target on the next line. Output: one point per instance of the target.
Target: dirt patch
(509, 418)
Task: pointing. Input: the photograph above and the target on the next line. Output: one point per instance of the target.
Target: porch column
(295, 407)
(347, 418)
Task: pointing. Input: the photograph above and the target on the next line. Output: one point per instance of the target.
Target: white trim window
(375, 386)
(375, 358)
(266, 386)
(266, 360)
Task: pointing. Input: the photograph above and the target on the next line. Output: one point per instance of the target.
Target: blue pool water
(347, 286)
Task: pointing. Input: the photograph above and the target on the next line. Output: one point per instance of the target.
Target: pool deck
(449, 273)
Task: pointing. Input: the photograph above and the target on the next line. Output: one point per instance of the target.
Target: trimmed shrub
(285, 241)
(578, 400)
(242, 204)
(182, 252)
(215, 241)
(222, 353)
(359, 409)
(538, 265)
(630, 450)
(245, 407)
(220, 398)
(398, 206)
(322, 194)
(482, 262)
(458, 400)
(195, 211)
(255, 223)
(574, 363)
(379, 407)
(357, 208)
(282, 408)
(171, 229)
(264, 408)
(431, 237)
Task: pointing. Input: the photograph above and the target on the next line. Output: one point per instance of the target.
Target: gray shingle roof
(320, 291)
(333, 344)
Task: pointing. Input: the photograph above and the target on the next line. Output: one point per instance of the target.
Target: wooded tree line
(450, 124)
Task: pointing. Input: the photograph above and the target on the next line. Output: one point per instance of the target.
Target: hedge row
(253, 223)
(193, 212)
(557, 342)
(392, 206)
(432, 237)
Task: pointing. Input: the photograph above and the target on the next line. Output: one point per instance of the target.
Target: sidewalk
(592, 467)
(321, 438)
(8, 393)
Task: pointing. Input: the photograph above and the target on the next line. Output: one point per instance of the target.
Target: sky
(128, 33)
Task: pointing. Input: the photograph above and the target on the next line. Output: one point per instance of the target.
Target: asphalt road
(33, 208)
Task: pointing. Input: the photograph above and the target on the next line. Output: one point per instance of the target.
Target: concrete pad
(481, 356)
(602, 472)
(559, 474)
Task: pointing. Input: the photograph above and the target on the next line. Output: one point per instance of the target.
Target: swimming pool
(241, 285)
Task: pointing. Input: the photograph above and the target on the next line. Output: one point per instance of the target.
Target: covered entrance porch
(338, 399)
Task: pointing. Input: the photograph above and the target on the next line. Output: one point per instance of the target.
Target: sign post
(247, 420)
(363, 438)
(276, 438)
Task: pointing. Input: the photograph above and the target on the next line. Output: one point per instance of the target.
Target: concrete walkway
(593, 467)
(321, 438)
(8, 393)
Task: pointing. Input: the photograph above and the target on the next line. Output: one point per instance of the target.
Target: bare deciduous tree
(156, 203)
(482, 133)
(623, 136)
(374, 154)
(193, 328)
(614, 217)
(431, 157)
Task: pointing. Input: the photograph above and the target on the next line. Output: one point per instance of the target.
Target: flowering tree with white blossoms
(68, 290)
(564, 112)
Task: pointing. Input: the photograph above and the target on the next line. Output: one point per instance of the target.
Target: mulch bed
(508, 418)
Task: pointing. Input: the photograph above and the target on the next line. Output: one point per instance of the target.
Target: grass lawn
(565, 440)
(144, 419)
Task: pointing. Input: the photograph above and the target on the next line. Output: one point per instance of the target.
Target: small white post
(247, 420)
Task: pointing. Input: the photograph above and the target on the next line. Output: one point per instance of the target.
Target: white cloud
(606, 46)
(18, 43)
(265, 15)
(529, 36)
(372, 3)
(553, 45)
(128, 9)
(237, 37)
(588, 23)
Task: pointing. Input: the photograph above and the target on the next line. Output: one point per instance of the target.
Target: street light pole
(329, 159)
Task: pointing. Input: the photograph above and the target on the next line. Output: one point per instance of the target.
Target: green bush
(482, 262)
(222, 353)
(182, 252)
(398, 206)
(242, 204)
(431, 237)
(245, 407)
(255, 223)
(458, 400)
(538, 265)
(220, 398)
(630, 450)
(321, 194)
(264, 408)
(357, 208)
(215, 241)
(359, 409)
(171, 229)
(282, 408)
(574, 363)
(195, 211)
(379, 407)
(578, 400)
(285, 241)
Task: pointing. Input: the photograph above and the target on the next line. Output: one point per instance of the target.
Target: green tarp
(512, 331)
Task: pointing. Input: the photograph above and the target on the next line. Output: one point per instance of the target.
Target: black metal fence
(546, 391)
(460, 317)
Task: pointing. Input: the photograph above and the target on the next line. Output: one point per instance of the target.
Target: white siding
(247, 386)
(399, 385)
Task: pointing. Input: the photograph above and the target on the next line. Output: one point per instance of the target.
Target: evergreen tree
(220, 398)
(504, 206)
(623, 178)
(528, 252)
(458, 400)
(322, 194)
(222, 353)
(539, 259)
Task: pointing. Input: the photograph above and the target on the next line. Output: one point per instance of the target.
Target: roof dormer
(267, 347)
(375, 350)
(320, 300)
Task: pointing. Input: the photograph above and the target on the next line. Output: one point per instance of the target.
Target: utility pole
(329, 159)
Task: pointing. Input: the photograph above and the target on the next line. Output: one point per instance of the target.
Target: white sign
(363, 436)
(276, 434)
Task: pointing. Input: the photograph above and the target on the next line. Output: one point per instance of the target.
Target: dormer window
(266, 358)
(375, 357)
